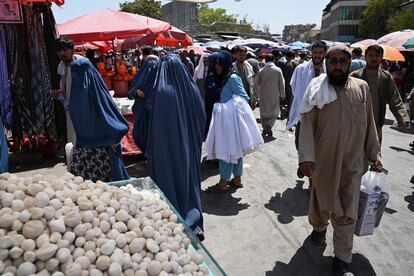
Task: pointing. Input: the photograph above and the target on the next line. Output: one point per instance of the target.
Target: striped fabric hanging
(5, 94)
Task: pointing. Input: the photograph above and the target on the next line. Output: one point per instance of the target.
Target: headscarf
(144, 80)
(199, 71)
(224, 59)
(175, 138)
(214, 83)
(95, 117)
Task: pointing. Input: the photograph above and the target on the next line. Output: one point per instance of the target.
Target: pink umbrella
(396, 39)
(107, 24)
(363, 43)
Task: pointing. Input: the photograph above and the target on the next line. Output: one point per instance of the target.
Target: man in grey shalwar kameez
(271, 89)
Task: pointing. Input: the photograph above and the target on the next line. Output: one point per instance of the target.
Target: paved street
(262, 228)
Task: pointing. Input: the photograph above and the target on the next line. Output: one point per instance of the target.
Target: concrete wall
(341, 19)
(182, 15)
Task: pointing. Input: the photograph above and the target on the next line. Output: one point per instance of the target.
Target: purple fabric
(5, 95)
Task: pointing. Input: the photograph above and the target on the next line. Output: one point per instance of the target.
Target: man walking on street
(287, 75)
(383, 90)
(337, 133)
(244, 69)
(271, 89)
(302, 76)
(358, 61)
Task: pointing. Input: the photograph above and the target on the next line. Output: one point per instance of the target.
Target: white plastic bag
(373, 183)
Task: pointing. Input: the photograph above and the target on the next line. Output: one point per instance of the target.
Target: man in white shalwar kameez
(270, 89)
(301, 78)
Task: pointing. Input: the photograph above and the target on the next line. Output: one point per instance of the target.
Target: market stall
(69, 226)
(28, 73)
(116, 68)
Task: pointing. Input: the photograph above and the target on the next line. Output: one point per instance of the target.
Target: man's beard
(373, 66)
(338, 79)
(320, 60)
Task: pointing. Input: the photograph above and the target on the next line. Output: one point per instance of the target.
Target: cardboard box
(371, 208)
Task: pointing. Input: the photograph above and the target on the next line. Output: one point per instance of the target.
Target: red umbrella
(108, 24)
(173, 38)
(170, 38)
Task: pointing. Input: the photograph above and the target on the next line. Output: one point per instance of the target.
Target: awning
(57, 2)
(171, 38)
(108, 24)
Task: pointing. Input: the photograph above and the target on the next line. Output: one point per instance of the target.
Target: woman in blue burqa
(142, 91)
(4, 150)
(227, 83)
(175, 140)
(98, 124)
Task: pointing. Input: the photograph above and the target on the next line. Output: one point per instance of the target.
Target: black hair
(146, 51)
(320, 44)
(357, 51)
(269, 58)
(303, 55)
(238, 49)
(375, 48)
(276, 53)
(63, 43)
(290, 54)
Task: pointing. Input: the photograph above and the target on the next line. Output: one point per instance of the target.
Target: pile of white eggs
(68, 226)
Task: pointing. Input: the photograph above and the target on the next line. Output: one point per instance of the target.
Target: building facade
(341, 18)
(297, 32)
(182, 15)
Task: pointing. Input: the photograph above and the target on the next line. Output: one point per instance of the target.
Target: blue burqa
(175, 139)
(4, 150)
(95, 117)
(144, 80)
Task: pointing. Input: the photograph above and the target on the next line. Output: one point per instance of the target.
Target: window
(346, 30)
(350, 13)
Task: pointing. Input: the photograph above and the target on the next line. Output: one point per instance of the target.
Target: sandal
(235, 185)
(216, 190)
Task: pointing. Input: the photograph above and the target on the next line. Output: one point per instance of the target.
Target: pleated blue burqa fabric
(95, 117)
(144, 80)
(175, 139)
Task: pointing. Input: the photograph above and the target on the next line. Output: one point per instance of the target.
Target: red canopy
(170, 38)
(57, 2)
(173, 38)
(108, 24)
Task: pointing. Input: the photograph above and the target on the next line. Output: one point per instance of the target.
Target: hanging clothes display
(19, 77)
(5, 95)
(40, 74)
(50, 36)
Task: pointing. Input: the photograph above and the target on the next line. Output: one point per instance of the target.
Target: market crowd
(334, 99)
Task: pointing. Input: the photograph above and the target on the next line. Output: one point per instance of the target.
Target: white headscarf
(199, 71)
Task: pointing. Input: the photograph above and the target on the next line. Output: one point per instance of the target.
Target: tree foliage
(401, 20)
(150, 8)
(213, 20)
(376, 16)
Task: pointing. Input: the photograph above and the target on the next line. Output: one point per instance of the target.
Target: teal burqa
(144, 80)
(175, 139)
(95, 117)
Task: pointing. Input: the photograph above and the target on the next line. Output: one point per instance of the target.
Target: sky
(276, 13)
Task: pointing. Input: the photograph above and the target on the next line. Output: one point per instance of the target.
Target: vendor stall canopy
(57, 2)
(109, 24)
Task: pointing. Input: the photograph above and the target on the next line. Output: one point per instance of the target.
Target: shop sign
(10, 11)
